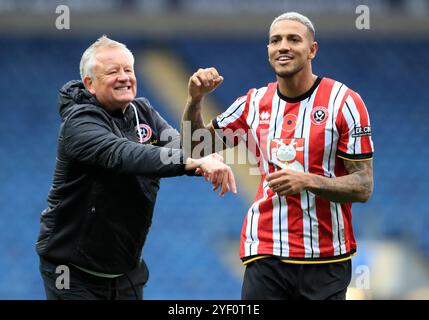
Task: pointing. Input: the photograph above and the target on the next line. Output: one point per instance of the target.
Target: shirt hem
(340, 258)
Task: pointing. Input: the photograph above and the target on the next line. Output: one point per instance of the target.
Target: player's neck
(297, 85)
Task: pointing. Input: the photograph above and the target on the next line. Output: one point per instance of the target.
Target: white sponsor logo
(264, 117)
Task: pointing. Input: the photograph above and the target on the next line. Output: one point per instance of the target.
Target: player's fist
(203, 82)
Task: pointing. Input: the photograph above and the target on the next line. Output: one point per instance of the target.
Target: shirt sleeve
(231, 125)
(354, 129)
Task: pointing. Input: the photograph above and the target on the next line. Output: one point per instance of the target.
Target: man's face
(114, 83)
(290, 48)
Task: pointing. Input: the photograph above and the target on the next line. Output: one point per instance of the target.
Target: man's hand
(288, 182)
(215, 171)
(203, 82)
(356, 186)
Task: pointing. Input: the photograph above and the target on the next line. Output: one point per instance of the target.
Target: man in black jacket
(112, 151)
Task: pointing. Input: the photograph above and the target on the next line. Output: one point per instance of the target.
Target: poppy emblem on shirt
(289, 122)
(319, 115)
(145, 133)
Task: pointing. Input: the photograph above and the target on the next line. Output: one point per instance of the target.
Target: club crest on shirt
(145, 133)
(287, 153)
(319, 115)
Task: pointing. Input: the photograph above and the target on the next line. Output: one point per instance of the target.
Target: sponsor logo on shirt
(264, 117)
(288, 153)
(361, 131)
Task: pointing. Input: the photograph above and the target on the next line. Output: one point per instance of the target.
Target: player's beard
(288, 73)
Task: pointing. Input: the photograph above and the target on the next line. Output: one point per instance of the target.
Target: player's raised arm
(201, 83)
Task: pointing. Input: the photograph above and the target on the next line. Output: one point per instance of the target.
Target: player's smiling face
(290, 48)
(115, 82)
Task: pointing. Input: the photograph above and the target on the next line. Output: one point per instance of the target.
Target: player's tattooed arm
(201, 83)
(192, 113)
(195, 133)
(192, 119)
(356, 186)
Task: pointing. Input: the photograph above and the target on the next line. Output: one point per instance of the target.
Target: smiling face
(114, 83)
(291, 48)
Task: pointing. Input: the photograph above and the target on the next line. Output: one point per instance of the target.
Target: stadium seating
(183, 248)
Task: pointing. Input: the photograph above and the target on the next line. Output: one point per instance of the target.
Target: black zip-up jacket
(105, 183)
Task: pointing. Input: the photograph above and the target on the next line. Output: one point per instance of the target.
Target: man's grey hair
(295, 16)
(87, 62)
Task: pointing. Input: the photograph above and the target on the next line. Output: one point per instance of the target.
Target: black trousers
(80, 285)
(272, 279)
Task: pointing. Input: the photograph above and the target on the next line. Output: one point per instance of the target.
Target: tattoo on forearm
(353, 187)
(192, 113)
(192, 121)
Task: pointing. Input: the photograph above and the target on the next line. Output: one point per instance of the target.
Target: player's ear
(313, 50)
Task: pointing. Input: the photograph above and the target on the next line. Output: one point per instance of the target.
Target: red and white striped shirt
(310, 133)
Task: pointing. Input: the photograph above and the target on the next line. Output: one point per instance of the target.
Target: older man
(112, 151)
